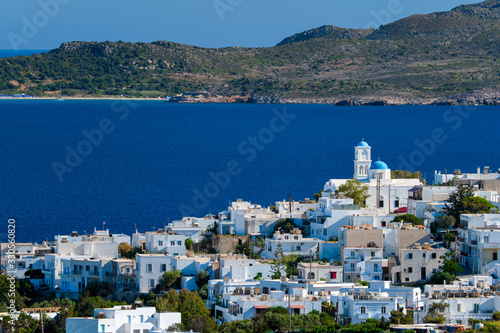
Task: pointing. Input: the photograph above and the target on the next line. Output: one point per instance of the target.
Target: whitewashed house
(124, 319)
(466, 299)
(150, 267)
(479, 241)
(319, 271)
(356, 306)
(417, 263)
(291, 243)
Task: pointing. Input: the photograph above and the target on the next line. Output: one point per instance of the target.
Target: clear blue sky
(207, 23)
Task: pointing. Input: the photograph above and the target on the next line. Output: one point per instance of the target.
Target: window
(433, 256)
(87, 268)
(363, 309)
(410, 255)
(373, 253)
(325, 232)
(286, 237)
(149, 268)
(172, 243)
(486, 239)
(160, 243)
(407, 279)
(298, 248)
(384, 223)
(295, 237)
(163, 268)
(396, 202)
(352, 266)
(423, 255)
(333, 275)
(381, 202)
(476, 308)
(459, 307)
(384, 310)
(410, 269)
(179, 243)
(103, 328)
(151, 283)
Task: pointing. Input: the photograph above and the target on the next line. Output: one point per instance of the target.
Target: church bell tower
(362, 161)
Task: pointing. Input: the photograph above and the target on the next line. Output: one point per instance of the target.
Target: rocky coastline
(480, 97)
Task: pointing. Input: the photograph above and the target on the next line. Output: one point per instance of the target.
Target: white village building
(124, 319)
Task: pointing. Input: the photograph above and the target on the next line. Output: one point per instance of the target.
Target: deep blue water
(148, 166)
(15, 53)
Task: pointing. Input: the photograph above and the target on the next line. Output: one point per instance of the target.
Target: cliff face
(441, 58)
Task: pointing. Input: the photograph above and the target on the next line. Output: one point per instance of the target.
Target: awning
(297, 306)
(415, 189)
(262, 306)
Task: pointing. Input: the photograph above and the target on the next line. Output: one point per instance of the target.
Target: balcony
(473, 242)
(356, 258)
(77, 272)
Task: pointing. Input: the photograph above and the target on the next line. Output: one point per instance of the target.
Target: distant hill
(445, 57)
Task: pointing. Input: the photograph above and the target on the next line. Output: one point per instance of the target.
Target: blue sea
(15, 53)
(72, 165)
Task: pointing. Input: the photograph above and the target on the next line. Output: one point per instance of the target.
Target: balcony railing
(352, 258)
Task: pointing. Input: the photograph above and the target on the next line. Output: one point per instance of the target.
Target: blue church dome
(362, 144)
(379, 165)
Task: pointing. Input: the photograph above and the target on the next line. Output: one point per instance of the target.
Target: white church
(386, 194)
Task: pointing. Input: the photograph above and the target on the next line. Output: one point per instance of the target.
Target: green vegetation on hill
(419, 57)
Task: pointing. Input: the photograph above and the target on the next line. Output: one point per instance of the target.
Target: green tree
(194, 312)
(434, 315)
(168, 302)
(202, 278)
(23, 288)
(399, 318)
(455, 205)
(448, 271)
(285, 225)
(405, 174)
(131, 254)
(277, 266)
(100, 288)
(355, 190)
(409, 218)
(318, 195)
(239, 326)
(188, 242)
(124, 248)
(446, 222)
(260, 244)
(168, 279)
(477, 205)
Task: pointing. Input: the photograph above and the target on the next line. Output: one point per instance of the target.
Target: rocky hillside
(448, 57)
